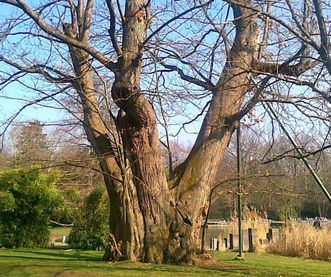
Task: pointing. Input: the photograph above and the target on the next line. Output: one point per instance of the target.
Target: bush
(287, 212)
(90, 230)
(71, 201)
(28, 198)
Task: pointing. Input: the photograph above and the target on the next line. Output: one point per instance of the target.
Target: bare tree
(152, 218)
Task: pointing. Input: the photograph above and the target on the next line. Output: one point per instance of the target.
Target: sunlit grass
(59, 231)
(50, 262)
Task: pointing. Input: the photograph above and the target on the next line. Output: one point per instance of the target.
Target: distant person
(317, 223)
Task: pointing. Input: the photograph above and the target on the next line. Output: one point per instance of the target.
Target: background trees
(30, 145)
(276, 181)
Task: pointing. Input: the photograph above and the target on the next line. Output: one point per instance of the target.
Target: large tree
(153, 217)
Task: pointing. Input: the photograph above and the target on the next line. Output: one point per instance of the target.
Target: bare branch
(61, 36)
(41, 69)
(175, 18)
(112, 27)
(204, 84)
(87, 20)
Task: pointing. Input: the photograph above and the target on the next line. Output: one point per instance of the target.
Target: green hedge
(28, 198)
(90, 230)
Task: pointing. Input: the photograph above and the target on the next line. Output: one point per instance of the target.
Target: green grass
(272, 265)
(48, 262)
(59, 231)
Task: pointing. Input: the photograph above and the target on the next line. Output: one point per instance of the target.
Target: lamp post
(240, 233)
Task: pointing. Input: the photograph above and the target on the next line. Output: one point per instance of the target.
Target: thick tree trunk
(142, 146)
(137, 122)
(137, 187)
(126, 221)
(200, 168)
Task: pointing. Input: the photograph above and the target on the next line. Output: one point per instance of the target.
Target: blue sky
(15, 90)
(9, 107)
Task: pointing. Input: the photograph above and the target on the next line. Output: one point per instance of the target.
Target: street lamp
(240, 233)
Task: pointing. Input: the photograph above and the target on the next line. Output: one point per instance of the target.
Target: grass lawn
(59, 231)
(49, 262)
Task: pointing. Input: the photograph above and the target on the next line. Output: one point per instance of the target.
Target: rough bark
(139, 197)
(200, 168)
(137, 121)
(126, 223)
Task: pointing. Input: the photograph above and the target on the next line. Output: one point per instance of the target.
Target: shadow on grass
(63, 255)
(127, 269)
(76, 261)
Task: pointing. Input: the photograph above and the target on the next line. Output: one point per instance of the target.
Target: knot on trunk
(124, 95)
(139, 112)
